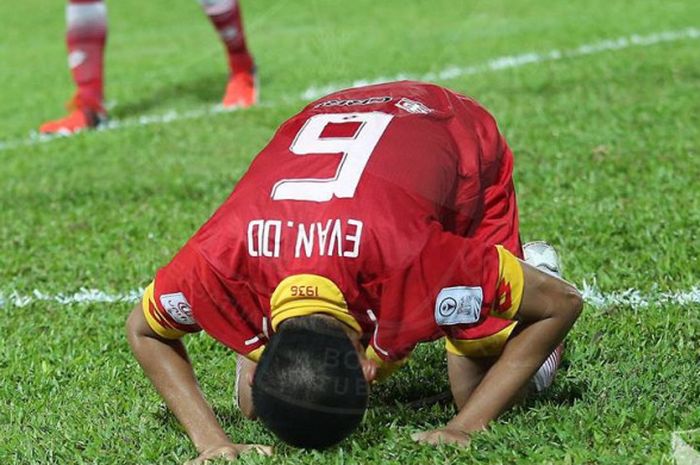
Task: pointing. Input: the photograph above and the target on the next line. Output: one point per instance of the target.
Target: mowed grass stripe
(447, 74)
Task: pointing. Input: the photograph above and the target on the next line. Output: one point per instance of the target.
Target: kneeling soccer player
(376, 218)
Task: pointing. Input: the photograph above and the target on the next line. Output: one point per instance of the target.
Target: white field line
(517, 61)
(638, 299)
(592, 295)
(451, 72)
(83, 296)
(682, 452)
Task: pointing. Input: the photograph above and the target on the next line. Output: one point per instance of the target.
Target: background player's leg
(225, 15)
(86, 37)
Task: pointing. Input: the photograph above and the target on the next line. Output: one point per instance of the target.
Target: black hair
(309, 389)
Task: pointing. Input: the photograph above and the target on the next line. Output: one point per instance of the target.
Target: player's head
(309, 387)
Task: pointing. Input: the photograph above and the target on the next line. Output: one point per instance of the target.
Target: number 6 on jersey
(355, 149)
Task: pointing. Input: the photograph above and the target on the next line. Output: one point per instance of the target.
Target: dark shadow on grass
(229, 416)
(206, 89)
(561, 395)
(564, 391)
(410, 396)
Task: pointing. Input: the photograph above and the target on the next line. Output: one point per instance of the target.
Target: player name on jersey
(329, 238)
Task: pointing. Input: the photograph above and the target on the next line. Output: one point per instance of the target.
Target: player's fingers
(227, 453)
(259, 448)
(198, 461)
(460, 440)
(440, 437)
(422, 436)
(202, 459)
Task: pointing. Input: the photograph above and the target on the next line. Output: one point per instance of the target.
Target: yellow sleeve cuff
(511, 282)
(384, 368)
(154, 318)
(254, 355)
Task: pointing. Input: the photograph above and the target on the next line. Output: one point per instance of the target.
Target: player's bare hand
(229, 452)
(442, 436)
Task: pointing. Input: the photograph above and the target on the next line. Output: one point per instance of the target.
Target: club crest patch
(178, 308)
(459, 305)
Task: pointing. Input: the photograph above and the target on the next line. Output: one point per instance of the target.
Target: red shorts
(498, 225)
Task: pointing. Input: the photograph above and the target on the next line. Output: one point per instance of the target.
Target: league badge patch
(459, 305)
(178, 308)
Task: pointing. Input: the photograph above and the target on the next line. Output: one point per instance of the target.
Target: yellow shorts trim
(488, 346)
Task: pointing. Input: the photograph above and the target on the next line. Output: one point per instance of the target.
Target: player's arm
(166, 364)
(548, 309)
(465, 374)
(245, 370)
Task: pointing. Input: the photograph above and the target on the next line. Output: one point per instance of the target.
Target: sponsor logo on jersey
(412, 106)
(178, 308)
(353, 102)
(459, 305)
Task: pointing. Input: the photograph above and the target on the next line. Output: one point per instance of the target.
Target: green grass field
(607, 169)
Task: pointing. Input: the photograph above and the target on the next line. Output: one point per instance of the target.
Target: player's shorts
(498, 225)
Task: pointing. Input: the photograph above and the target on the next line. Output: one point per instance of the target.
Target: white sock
(545, 375)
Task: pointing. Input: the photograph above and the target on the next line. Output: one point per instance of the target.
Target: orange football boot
(80, 117)
(241, 90)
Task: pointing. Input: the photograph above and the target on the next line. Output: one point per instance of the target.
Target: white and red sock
(546, 373)
(225, 15)
(86, 37)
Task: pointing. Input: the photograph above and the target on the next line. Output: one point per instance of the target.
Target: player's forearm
(521, 358)
(167, 366)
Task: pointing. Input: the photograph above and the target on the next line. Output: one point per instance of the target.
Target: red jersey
(383, 206)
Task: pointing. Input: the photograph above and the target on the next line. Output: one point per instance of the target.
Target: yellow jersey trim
(384, 368)
(149, 302)
(309, 294)
(254, 355)
(511, 283)
(484, 347)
